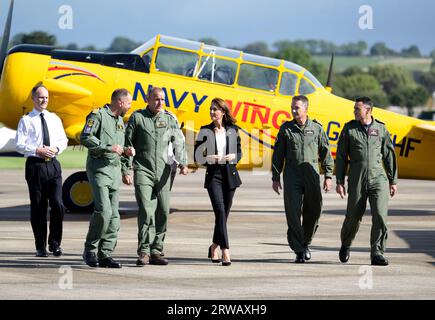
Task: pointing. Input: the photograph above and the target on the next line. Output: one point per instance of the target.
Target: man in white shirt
(40, 138)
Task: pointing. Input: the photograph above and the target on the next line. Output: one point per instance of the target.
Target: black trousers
(44, 180)
(221, 198)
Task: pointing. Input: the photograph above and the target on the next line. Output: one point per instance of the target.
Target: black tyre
(77, 193)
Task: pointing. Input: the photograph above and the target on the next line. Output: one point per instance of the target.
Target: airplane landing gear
(77, 193)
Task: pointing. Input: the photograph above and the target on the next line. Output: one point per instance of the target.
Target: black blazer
(205, 145)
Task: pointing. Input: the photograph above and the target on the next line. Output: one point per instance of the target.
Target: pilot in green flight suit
(298, 147)
(150, 132)
(366, 148)
(103, 135)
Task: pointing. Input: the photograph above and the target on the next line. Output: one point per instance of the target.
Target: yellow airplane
(258, 90)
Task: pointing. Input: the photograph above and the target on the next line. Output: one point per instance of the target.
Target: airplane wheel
(77, 193)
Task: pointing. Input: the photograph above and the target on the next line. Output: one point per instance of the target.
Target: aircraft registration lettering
(331, 132)
(405, 145)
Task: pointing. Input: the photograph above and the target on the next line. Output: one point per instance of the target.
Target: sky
(234, 23)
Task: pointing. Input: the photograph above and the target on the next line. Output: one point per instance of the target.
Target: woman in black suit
(218, 148)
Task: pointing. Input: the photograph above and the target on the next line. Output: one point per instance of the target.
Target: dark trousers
(221, 198)
(44, 180)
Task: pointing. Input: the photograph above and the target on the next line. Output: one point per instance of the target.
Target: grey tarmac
(262, 265)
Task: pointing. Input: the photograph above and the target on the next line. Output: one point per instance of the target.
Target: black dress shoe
(213, 260)
(90, 258)
(225, 263)
(379, 261)
(307, 253)
(41, 253)
(109, 263)
(57, 251)
(300, 257)
(344, 254)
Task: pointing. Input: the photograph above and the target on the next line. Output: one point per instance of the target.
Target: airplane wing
(7, 142)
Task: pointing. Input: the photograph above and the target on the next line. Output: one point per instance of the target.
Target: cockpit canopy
(223, 66)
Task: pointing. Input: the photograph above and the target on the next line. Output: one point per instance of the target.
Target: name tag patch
(161, 124)
(373, 132)
(308, 132)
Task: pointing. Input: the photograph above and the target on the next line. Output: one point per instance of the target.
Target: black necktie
(45, 135)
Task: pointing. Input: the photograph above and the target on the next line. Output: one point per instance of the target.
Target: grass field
(72, 158)
(342, 63)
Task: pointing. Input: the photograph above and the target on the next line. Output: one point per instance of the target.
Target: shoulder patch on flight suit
(89, 124)
(170, 113)
(314, 120)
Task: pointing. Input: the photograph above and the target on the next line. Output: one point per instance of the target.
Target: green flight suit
(298, 150)
(150, 135)
(103, 167)
(369, 154)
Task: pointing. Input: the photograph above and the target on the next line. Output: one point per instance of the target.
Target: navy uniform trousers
(44, 179)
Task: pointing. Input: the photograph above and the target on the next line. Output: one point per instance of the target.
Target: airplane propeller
(6, 34)
(329, 82)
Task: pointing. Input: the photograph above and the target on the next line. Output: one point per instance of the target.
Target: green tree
(287, 51)
(209, 41)
(352, 70)
(39, 37)
(90, 47)
(72, 46)
(432, 55)
(409, 96)
(260, 48)
(122, 44)
(391, 76)
(412, 51)
(427, 80)
(17, 39)
(352, 49)
(358, 85)
(380, 49)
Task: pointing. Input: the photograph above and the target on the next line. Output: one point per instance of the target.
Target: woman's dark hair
(227, 118)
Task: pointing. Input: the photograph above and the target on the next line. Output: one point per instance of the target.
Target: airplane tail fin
(426, 129)
(329, 82)
(6, 35)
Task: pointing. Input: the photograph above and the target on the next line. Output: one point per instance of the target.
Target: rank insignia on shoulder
(120, 127)
(373, 132)
(95, 110)
(161, 124)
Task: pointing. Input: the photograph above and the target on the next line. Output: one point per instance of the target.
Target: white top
(29, 133)
(171, 156)
(221, 143)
